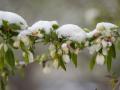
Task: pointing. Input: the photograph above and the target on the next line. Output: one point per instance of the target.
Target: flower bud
(66, 58)
(65, 48)
(100, 59)
(16, 44)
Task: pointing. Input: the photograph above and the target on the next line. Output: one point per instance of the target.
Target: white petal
(100, 59)
(65, 47)
(104, 43)
(30, 56)
(66, 58)
(16, 44)
(55, 63)
(104, 51)
(5, 47)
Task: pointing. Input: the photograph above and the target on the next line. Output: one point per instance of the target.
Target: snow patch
(43, 25)
(13, 18)
(72, 32)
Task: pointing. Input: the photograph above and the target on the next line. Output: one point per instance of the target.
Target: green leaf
(2, 57)
(9, 57)
(61, 63)
(93, 61)
(55, 26)
(14, 26)
(5, 23)
(23, 47)
(26, 57)
(74, 58)
(109, 60)
(2, 85)
(113, 51)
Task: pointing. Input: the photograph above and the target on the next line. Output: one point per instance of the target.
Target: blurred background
(85, 13)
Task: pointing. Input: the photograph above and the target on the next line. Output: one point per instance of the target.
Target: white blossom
(104, 51)
(55, 63)
(72, 32)
(94, 48)
(1, 45)
(65, 47)
(100, 59)
(23, 36)
(13, 18)
(30, 56)
(52, 53)
(5, 47)
(59, 51)
(66, 58)
(104, 43)
(52, 47)
(109, 44)
(16, 44)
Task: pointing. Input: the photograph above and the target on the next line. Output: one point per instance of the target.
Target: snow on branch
(65, 42)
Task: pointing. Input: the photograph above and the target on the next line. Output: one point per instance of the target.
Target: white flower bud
(25, 40)
(30, 56)
(59, 52)
(66, 58)
(104, 43)
(104, 51)
(109, 44)
(65, 48)
(100, 59)
(1, 45)
(113, 39)
(52, 53)
(51, 47)
(55, 63)
(16, 44)
(5, 47)
(77, 51)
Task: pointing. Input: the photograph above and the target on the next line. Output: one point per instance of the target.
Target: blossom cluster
(64, 42)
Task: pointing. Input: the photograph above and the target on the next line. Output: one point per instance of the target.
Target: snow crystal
(42, 25)
(13, 18)
(72, 32)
